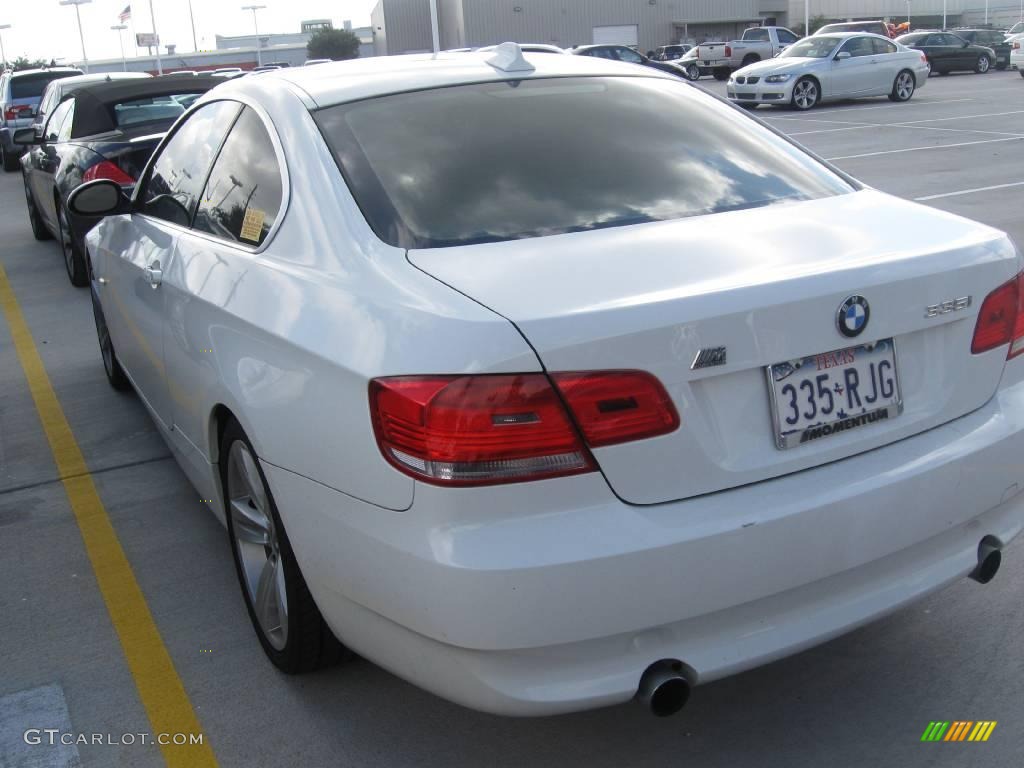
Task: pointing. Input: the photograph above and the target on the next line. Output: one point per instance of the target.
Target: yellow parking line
(160, 688)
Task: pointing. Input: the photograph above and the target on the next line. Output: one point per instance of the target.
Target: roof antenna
(508, 57)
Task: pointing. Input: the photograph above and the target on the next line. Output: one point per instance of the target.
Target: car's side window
(859, 46)
(52, 131)
(883, 46)
(171, 191)
(757, 34)
(242, 199)
(785, 37)
(625, 54)
(64, 134)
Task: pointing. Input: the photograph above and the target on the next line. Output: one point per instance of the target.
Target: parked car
(628, 55)
(947, 52)
(690, 65)
(452, 395)
(671, 52)
(1016, 29)
(19, 96)
(988, 38)
(56, 90)
(1017, 56)
(830, 67)
(99, 130)
(756, 44)
(874, 27)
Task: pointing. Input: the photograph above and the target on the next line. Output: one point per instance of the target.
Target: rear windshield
(151, 110)
(31, 86)
(517, 159)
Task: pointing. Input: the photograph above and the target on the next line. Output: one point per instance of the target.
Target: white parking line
(970, 191)
(36, 708)
(906, 125)
(962, 117)
(922, 149)
(832, 110)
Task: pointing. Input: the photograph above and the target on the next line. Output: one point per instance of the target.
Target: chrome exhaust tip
(663, 688)
(990, 557)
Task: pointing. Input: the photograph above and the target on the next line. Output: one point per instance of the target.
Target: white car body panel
(855, 77)
(553, 596)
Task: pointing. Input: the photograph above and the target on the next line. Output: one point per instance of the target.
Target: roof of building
(344, 81)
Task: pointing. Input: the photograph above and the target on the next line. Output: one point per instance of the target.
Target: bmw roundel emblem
(852, 317)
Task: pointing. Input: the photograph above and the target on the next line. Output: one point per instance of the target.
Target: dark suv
(990, 38)
(19, 97)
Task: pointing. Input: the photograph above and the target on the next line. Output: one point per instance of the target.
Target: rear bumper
(552, 597)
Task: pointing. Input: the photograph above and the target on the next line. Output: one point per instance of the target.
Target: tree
(334, 44)
(22, 62)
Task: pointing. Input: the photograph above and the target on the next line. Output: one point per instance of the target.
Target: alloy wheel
(904, 86)
(983, 64)
(693, 72)
(805, 94)
(258, 545)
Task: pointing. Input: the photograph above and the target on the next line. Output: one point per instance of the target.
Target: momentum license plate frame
(798, 436)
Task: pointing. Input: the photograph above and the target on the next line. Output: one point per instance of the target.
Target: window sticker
(252, 224)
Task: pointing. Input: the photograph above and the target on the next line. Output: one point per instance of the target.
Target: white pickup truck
(757, 43)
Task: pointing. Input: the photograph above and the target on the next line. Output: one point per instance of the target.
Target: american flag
(125, 14)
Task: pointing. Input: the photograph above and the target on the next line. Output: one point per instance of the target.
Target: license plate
(822, 395)
(706, 63)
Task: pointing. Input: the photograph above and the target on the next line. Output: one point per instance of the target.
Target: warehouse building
(403, 26)
(924, 14)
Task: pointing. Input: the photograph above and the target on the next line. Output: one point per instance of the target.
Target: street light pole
(119, 28)
(807, 18)
(3, 55)
(152, 18)
(256, 26)
(434, 35)
(81, 36)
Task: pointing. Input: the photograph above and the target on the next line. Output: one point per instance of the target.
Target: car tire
(721, 74)
(806, 94)
(39, 230)
(294, 635)
(1001, 66)
(983, 65)
(750, 58)
(111, 365)
(74, 261)
(693, 72)
(903, 86)
(9, 161)
(1021, 71)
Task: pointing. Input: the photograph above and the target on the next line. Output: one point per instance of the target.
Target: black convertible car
(105, 130)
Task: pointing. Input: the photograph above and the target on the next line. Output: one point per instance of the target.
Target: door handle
(154, 276)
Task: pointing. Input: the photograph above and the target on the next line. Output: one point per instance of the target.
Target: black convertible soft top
(95, 103)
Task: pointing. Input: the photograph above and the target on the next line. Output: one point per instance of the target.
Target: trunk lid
(766, 284)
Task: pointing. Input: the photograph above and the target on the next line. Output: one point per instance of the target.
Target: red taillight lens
(728, 52)
(476, 430)
(1001, 319)
(481, 430)
(617, 406)
(107, 170)
(15, 113)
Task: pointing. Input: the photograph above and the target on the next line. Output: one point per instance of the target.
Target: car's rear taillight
(504, 428)
(728, 52)
(617, 406)
(1001, 319)
(476, 430)
(18, 112)
(107, 170)
(924, 58)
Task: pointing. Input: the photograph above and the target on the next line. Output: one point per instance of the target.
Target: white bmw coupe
(441, 339)
(829, 68)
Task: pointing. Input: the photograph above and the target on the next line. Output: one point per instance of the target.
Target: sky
(44, 29)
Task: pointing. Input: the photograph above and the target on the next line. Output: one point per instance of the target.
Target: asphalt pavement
(862, 699)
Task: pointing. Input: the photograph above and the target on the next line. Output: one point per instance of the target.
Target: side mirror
(843, 55)
(26, 137)
(102, 197)
(965, 45)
